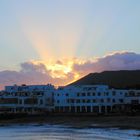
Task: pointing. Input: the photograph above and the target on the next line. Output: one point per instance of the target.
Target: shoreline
(121, 122)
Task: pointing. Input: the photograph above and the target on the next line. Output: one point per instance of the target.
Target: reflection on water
(59, 132)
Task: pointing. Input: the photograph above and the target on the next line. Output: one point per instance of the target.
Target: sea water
(61, 132)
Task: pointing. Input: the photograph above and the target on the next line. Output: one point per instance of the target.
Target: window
(84, 101)
(68, 100)
(93, 94)
(108, 99)
(113, 93)
(131, 93)
(106, 93)
(58, 101)
(57, 94)
(136, 102)
(88, 101)
(83, 94)
(113, 100)
(121, 93)
(121, 100)
(31, 101)
(102, 100)
(88, 94)
(94, 101)
(138, 93)
(99, 94)
(78, 101)
(78, 94)
(41, 102)
(20, 101)
(67, 94)
(72, 100)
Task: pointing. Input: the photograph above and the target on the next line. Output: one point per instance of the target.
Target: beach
(54, 127)
(122, 122)
(64, 132)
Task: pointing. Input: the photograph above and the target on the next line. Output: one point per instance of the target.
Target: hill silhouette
(123, 79)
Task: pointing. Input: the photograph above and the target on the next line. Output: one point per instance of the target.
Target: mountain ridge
(122, 79)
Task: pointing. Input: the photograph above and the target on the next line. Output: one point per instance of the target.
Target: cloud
(33, 73)
(64, 71)
(114, 61)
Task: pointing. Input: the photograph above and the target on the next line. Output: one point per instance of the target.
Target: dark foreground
(122, 122)
(64, 132)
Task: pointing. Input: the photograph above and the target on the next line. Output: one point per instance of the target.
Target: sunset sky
(59, 41)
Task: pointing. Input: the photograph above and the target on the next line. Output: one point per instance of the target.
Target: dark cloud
(115, 61)
(32, 67)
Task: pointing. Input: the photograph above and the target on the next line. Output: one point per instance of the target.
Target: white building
(31, 99)
(95, 99)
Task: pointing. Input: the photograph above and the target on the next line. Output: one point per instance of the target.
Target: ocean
(63, 132)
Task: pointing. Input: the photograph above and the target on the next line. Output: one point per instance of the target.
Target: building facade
(95, 99)
(31, 99)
